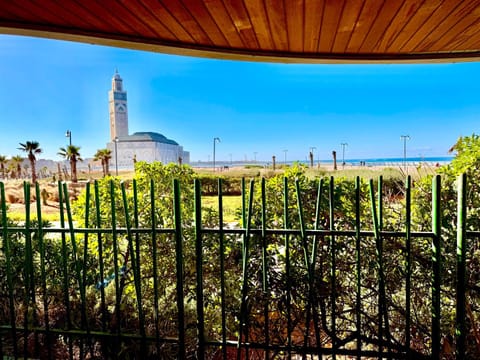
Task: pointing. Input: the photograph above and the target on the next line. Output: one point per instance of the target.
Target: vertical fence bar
(117, 326)
(334, 266)
(246, 248)
(85, 260)
(78, 265)
(222, 268)
(101, 283)
(313, 259)
(8, 265)
(306, 259)
(288, 285)
(382, 307)
(29, 279)
(379, 244)
(199, 266)
(179, 262)
(358, 269)
(436, 265)
(66, 297)
(41, 246)
(153, 217)
(408, 264)
(135, 269)
(460, 321)
(265, 287)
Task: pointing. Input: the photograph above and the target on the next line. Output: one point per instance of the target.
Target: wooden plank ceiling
(265, 30)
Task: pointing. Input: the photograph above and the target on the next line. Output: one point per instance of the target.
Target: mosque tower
(118, 108)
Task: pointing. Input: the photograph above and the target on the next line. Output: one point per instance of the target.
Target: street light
(69, 135)
(285, 157)
(215, 140)
(405, 138)
(343, 153)
(311, 155)
(116, 157)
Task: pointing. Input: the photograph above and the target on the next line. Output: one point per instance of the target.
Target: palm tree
(72, 154)
(16, 166)
(3, 162)
(32, 148)
(104, 156)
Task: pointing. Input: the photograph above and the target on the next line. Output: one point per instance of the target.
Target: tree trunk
(34, 173)
(73, 166)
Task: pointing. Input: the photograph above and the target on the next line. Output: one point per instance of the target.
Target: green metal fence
(126, 282)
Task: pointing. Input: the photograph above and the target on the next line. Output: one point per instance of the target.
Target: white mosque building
(141, 146)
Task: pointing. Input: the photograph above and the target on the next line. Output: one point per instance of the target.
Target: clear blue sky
(47, 87)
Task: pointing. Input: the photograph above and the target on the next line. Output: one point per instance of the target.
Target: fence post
(199, 265)
(460, 326)
(436, 264)
(179, 270)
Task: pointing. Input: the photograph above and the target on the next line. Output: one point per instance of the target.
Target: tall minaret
(118, 108)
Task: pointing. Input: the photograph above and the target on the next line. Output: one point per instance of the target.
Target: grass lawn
(230, 206)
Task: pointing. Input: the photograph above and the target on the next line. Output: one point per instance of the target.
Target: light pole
(343, 153)
(311, 155)
(68, 134)
(285, 157)
(405, 138)
(215, 140)
(116, 157)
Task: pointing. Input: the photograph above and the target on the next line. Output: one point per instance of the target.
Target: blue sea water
(440, 160)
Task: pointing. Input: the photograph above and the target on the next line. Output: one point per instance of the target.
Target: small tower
(118, 108)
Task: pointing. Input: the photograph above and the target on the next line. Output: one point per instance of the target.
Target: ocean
(394, 162)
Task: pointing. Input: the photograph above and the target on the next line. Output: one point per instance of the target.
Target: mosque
(141, 146)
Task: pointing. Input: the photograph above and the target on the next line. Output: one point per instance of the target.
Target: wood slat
(258, 17)
(295, 24)
(204, 19)
(286, 29)
(278, 24)
(188, 22)
(169, 21)
(430, 24)
(379, 27)
(413, 25)
(313, 24)
(347, 24)
(331, 18)
(403, 16)
(464, 16)
(241, 21)
(150, 20)
(127, 18)
(219, 13)
(365, 21)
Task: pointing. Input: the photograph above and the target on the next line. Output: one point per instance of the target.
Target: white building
(141, 146)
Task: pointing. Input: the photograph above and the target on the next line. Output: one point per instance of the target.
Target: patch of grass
(230, 206)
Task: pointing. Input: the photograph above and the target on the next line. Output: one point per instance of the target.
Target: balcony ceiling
(309, 31)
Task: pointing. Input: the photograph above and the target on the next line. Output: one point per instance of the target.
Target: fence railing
(135, 274)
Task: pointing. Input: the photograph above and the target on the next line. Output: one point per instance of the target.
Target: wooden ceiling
(266, 30)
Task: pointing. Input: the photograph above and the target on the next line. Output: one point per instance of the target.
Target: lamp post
(68, 134)
(116, 157)
(343, 154)
(311, 155)
(285, 157)
(405, 138)
(215, 140)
